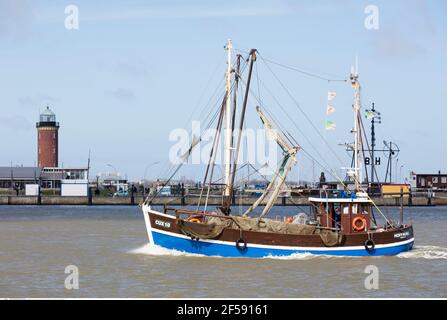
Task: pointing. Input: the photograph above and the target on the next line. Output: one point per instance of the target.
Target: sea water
(108, 245)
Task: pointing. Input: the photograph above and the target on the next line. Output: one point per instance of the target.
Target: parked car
(121, 193)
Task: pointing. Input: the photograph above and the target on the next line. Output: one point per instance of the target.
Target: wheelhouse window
(365, 209)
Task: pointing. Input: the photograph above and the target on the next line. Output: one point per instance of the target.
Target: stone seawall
(191, 200)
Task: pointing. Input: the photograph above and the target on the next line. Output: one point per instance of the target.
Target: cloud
(122, 94)
(132, 69)
(16, 17)
(19, 123)
(246, 9)
(393, 44)
(414, 34)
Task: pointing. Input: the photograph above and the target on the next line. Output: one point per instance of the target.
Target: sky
(135, 71)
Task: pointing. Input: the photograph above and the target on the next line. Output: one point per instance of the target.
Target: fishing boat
(338, 224)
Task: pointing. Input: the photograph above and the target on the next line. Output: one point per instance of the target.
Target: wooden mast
(357, 129)
(228, 133)
(227, 200)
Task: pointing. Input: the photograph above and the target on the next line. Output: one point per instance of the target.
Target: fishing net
(263, 225)
(330, 238)
(214, 227)
(202, 230)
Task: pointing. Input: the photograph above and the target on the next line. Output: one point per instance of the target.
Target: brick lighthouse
(47, 139)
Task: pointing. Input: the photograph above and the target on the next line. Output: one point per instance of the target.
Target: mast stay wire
(273, 118)
(328, 169)
(215, 144)
(170, 166)
(304, 72)
(294, 123)
(302, 111)
(305, 152)
(199, 100)
(331, 171)
(296, 69)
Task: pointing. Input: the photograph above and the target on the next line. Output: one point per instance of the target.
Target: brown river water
(108, 245)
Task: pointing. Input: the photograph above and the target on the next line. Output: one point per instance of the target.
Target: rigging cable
(330, 171)
(302, 111)
(307, 73)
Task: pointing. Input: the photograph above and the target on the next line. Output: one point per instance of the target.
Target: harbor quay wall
(193, 200)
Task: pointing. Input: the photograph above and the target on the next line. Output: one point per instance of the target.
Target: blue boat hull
(214, 248)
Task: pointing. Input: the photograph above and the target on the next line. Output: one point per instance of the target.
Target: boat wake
(154, 250)
(298, 256)
(425, 252)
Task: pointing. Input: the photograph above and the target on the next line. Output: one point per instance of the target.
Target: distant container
(74, 188)
(394, 190)
(164, 191)
(32, 189)
(261, 187)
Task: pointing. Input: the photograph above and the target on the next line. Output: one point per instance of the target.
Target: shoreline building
(71, 181)
(431, 180)
(47, 178)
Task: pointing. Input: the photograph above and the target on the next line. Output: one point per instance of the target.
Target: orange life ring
(289, 220)
(360, 227)
(195, 220)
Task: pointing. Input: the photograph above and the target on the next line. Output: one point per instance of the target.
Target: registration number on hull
(402, 235)
(164, 224)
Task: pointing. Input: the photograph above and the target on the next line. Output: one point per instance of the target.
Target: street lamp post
(116, 175)
(97, 183)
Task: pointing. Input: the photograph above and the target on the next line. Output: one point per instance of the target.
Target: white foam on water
(425, 252)
(296, 256)
(155, 250)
